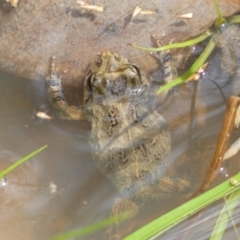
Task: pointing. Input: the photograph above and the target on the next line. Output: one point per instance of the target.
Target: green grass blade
(178, 45)
(92, 228)
(220, 20)
(177, 215)
(21, 161)
(225, 216)
(193, 69)
(234, 19)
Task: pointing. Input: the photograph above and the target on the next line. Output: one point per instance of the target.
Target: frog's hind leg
(63, 110)
(123, 209)
(170, 186)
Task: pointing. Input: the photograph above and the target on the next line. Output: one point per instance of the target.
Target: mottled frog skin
(129, 139)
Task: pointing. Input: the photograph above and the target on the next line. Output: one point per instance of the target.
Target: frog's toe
(168, 186)
(123, 209)
(124, 206)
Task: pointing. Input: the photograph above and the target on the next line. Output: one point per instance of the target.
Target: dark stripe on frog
(113, 117)
(142, 149)
(167, 57)
(122, 157)
(165, 67)
(113, 121)
(145, 124)
(53, 83)
(58, 99)
(157, 157)
(167, 74)
(134, 115)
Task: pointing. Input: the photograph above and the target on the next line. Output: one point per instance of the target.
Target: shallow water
(84, 196)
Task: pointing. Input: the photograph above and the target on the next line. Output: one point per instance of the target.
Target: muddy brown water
(83, 196)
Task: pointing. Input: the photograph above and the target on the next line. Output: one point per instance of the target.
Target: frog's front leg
(167, 64)
(58, 101)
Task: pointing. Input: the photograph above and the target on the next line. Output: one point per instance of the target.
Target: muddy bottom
(60, 189)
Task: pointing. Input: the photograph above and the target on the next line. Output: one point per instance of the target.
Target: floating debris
(43, 115)
(52, 187)
(90, 7)
(234, 148)
(234, 182)
(14, 3)
(186, 16)
(197, 75)
(147, 12)
(138, 10)
(3, 181)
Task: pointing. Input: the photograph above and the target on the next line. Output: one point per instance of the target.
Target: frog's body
(129, 140)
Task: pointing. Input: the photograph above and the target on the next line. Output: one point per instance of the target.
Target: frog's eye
(90, 77)
(137, 70)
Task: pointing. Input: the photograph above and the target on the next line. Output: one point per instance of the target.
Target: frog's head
(112, 77)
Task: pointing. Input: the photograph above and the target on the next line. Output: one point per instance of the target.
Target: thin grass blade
(21, 161)
(178, 45)
(225, 216)
(177, 215)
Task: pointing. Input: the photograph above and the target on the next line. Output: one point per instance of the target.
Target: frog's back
(129, 144)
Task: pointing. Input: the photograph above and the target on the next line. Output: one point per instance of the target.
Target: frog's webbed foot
(121, 209)
(169, 186)
(63, 110)
(167, 64)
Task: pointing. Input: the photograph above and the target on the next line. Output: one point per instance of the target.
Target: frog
(130, 140)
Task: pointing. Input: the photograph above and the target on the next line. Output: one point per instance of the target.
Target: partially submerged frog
(129, 139)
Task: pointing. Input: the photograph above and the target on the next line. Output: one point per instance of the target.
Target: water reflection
(27, 201)
(78, 194)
